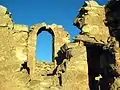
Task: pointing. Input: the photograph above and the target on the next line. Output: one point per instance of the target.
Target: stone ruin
(101, 36)
(95, 60)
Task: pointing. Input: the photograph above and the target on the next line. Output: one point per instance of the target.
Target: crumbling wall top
(91, 22)
(5, 17)
(19, 27)
(92, 3)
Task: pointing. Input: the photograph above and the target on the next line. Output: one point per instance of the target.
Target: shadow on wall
(112, 14)
(101, 60)
(100, 72)
(64, 55)
(24, 66)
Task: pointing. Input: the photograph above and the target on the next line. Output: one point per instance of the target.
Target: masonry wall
(13, 48)
(13, 37)
(18, 44)
(59, 35)
(100, 30)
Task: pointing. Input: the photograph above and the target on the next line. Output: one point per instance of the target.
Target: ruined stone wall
(18, 45)
(21, 38)
(17, 39)
(13, 37)
(76, 75)
(90, 20)
(100, 33)
(113, 22)
(13, 48)
(95, 35)
(59, 38)
(95, 61)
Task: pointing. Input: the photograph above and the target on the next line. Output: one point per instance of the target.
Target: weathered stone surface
(5, 17)
(2, 10)
(91, 21)
(116, 84)
(18, 27)
(18, 45)
(9, 63)
(12, 54)
(20, 39)
(95, 61)
(76, 76)
(100, 33)
(59, 37)
(113, 22)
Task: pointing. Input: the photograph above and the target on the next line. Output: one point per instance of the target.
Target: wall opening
(45, 45)
(100, 73)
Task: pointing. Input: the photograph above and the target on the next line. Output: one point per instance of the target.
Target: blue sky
(61, 12)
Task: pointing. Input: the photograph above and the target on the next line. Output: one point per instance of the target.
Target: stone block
(18, 27)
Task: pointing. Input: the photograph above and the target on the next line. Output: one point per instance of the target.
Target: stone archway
(60, 37)
(52, 34)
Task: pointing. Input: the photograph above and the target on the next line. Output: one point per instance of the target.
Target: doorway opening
(100, 72)
(45, 46)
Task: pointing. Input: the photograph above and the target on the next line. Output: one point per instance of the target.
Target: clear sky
(61, 12)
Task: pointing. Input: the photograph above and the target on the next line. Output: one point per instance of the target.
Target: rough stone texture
(95, 34)
(59, 37)
(95, 61)
(20, 28)
(20, 36)
(91, 21)
(76, 76)
(12, 53)
(113, 22)
(18, 45)
(100, 33)
(5, 19)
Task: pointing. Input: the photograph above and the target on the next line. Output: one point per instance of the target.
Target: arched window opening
(44, 46)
